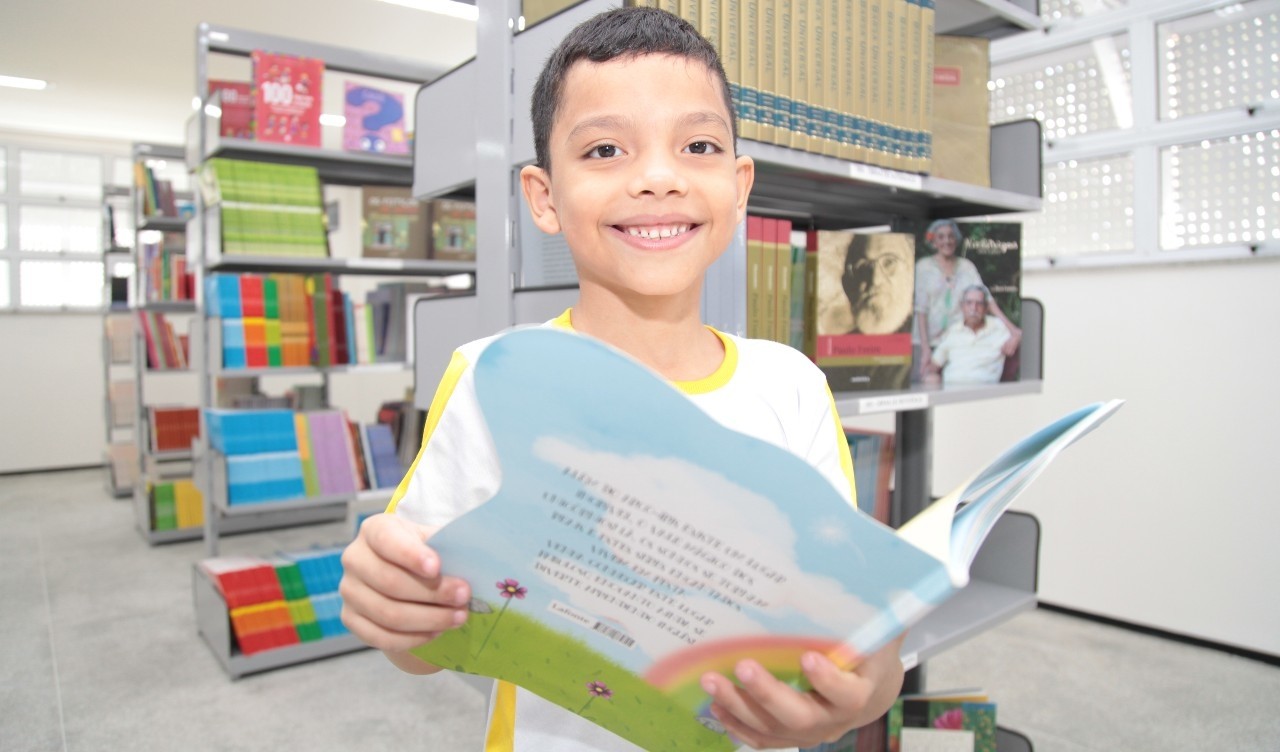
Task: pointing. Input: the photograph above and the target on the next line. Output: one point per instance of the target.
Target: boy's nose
(658, 175)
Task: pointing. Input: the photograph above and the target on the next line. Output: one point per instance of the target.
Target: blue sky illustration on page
(752, 539)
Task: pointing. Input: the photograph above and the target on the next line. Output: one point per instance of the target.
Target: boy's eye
(603, 151)
(702, 147)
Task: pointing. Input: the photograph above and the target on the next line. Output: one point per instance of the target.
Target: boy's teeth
(652, 233)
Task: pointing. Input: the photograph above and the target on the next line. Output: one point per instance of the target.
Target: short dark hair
(622, 32)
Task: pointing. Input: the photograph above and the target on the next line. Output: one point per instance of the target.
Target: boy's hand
(393, 595)
(764, 713)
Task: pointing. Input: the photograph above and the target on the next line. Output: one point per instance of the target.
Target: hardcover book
(286, 98)
(636, 543)
(395, 224)
(961, 131)
(864, 309)
(236, 101)
(375, 120)
(987, 254)
(453, 230)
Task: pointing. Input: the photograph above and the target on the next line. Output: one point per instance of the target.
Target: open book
(636, 543)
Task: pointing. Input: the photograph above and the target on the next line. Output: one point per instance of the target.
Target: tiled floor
(99, 651)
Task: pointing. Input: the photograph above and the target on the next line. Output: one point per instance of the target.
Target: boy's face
(643, 181)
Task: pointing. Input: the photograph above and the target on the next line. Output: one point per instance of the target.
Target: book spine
(800, 75)
(767, 71)
(731, 55)
(749, 63)
(782, 116)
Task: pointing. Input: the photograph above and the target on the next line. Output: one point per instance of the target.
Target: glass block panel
(4, 285)
(76, 284)
(58, 175)
(1221, 192)
(1226, 58)
(1071, 91)
(1061, 10)
(51, 229)
(1088, 208)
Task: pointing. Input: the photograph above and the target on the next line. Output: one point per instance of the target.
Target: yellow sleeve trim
(721, 375)
(457, 365)
(842, 445)
(501, 736)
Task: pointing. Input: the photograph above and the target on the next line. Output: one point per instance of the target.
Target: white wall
(1166, 516)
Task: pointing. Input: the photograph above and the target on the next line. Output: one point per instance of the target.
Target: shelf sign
(376, 263)
(893, 403)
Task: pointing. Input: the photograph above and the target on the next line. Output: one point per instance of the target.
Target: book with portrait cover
(864, 309)
(636, 543)
(986, 253)
(286, 98)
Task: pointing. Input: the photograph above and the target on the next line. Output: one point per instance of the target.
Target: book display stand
(485, 100)
(333, 166)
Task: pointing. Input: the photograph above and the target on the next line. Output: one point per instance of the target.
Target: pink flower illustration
(507, 589)
(952, 719)
(595, 689)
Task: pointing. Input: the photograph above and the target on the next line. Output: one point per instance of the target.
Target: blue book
(636, 544)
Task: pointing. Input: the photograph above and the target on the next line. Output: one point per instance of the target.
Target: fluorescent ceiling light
(17, 82)
(465, 11)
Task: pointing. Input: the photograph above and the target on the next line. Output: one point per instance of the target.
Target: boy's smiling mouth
(654, 232)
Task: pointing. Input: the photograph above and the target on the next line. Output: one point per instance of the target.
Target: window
(52, 228)
(1226, 58)
(1162, 129)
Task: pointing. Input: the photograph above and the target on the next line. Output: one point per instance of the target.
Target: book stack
(175, 505)
(846, 78)
(872, 453)
(266, 209)
(173, 428)
(277, 455)
(294, 320)
(164, 263)
(280, 602)
(166, 349)
(951, 720)
(159, 200)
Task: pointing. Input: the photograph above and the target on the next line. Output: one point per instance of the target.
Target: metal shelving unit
(333, 167)
(152, 465)
(120, 445)
(483, 99)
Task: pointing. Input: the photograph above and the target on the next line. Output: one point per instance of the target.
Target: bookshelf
(120, 451)
(485, 99)
(332, 167)
(157, 227)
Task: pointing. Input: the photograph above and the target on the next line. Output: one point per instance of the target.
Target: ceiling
(126, 70)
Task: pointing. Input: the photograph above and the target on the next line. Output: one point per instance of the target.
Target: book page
(638, 543)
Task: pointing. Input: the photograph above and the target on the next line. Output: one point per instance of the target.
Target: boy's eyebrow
(618, 123)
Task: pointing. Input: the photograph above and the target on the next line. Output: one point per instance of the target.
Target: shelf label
(893, 403)
(377, 263)
(874, 174)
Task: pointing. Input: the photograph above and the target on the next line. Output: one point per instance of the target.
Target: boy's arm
(764, 713)
(393, 595)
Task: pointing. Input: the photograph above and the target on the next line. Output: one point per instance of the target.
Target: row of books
(167, 350)
(846, 78)
(294, 320)
(850, 300)
(159, 198)
(173, 428)
(282, 104)
(266, 209)
(397, 225)
(277, 455)
(164, 268)
(282, 601)
(175, 505)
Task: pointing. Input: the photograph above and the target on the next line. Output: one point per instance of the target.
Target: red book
(286, 98)
(252, 303)
(237, 108)
(338, 328)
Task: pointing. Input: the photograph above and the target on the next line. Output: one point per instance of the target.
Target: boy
(635, 142)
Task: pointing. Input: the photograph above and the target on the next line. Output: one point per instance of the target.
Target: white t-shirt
(763, 389)
(969, 357)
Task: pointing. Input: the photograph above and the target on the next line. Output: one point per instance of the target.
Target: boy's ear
(536, 184)
(746, 177)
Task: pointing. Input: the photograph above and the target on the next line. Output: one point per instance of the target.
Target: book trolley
(485, 99)
(334, 166)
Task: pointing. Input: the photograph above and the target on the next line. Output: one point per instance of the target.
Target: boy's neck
(668, 336)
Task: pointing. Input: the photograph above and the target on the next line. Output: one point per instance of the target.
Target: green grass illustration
(524, 651)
